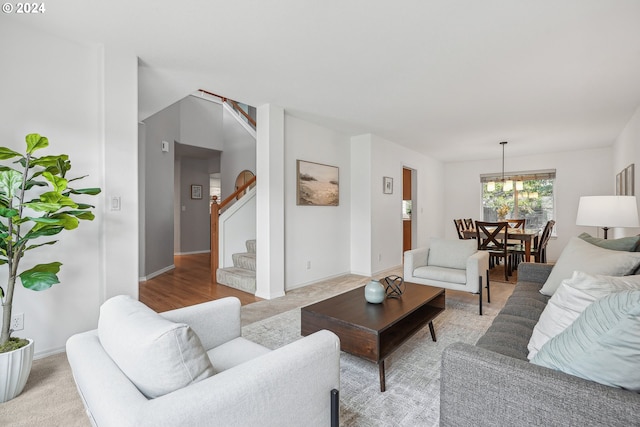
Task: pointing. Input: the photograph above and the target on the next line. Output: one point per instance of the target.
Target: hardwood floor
(188, 284)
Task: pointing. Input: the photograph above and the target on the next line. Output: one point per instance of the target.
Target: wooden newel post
(215, 213)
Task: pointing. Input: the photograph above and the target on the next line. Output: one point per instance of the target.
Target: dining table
(528, 236)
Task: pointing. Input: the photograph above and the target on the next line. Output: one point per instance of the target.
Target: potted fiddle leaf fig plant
(36, 203)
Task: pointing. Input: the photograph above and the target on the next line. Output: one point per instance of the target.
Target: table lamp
(608, 211)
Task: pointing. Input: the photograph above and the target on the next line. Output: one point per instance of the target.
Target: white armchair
(450, 264)
(245, 385)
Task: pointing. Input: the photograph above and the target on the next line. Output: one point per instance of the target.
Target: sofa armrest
(477, 266)
(534, 272)
(101, 384)
(413, 259)
(215, 322)
(482, 388)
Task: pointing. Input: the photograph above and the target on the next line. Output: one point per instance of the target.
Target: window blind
(519, 176)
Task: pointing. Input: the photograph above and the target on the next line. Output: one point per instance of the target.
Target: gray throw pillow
(622, 244)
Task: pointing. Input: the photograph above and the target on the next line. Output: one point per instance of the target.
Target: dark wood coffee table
(374, 331)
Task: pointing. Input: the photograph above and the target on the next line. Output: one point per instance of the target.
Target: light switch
(115, 203)
(165, 147)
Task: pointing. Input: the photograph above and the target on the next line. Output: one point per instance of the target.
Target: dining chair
(519, 224)
(492, 237)
(539, 251)
(468, 223)
(516, 223)
(459, 228)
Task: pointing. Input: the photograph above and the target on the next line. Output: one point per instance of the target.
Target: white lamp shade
(508, 185)
(608, 211)
(491, 186)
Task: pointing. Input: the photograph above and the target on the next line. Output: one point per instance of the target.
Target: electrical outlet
(308, 265)
(17, 322)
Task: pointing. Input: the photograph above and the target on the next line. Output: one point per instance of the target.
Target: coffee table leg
(433, 331)
(382, 379)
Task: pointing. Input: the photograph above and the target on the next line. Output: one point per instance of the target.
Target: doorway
(407, 208)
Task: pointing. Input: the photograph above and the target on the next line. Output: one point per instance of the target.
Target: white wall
(318, 235)
(360, 203)
(237, 225)
(376, 218)
(626, 150)
(239, 153)
(388, 159)
(578, 173)
(270, 221)
(201, 123)
(83, 98)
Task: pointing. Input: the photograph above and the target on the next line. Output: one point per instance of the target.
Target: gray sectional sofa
(492, 383)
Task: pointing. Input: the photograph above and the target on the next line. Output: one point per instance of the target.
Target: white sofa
(244, 385)
(450, 264)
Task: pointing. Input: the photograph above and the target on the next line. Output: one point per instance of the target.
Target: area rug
(412, 371)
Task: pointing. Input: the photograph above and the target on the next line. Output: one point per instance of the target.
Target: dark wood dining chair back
(468, 223)
(492, 237)
(517, 223)
(488, 235)
(541, 249)
(459, 228)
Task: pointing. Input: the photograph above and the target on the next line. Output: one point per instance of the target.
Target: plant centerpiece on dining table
(502, 212)
(35, 203)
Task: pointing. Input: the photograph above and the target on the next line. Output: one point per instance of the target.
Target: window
(526, 195)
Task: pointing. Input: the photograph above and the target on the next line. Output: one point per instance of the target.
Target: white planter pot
(15, 367)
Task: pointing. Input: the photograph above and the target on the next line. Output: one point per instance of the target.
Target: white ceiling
(448, 78)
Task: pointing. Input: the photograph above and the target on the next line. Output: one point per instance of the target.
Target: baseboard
(156, 273)
(313, 282)
(382, 273)
(46, 353)
(207, 251)
(388, 271)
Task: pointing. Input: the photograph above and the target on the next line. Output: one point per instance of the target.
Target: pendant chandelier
(507, 184)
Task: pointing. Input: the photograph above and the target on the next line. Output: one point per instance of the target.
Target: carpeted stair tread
(238, 278)
(246, 260)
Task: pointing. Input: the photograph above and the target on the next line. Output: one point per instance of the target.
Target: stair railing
(216, 209)
(233, 104)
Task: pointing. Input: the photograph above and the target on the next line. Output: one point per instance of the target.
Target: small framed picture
(196, 191)
(629, 180)
(387, 185)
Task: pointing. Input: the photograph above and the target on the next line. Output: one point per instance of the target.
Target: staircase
(243, 273)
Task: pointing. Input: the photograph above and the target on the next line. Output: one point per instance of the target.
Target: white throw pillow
(602, 345)
(451, 253)
(579, 255)
(571, 298)
(157, 355)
